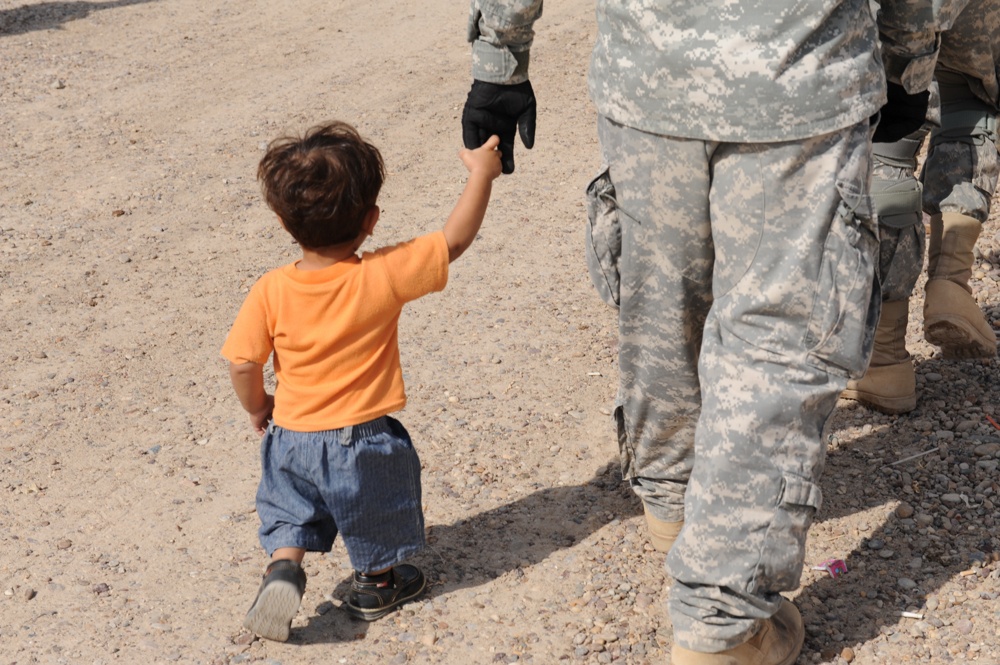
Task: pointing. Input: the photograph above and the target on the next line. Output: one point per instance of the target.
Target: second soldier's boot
(952, 318)
(662, 534)
(778, 642)
(889, 385)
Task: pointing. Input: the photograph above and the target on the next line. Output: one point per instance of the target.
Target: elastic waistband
(345, 435)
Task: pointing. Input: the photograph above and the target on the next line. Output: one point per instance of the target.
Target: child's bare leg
(295, 554)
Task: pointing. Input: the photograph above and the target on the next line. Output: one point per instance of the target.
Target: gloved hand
(492, 108)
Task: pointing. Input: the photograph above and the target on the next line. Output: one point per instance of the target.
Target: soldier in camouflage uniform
(731, 227)
(959, 178)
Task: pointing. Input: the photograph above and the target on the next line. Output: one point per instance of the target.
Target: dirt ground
(131, 227)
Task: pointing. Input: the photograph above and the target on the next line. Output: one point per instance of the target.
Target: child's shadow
(507, 539)
(898, 562)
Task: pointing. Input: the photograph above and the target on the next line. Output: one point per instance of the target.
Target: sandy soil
(131, 227)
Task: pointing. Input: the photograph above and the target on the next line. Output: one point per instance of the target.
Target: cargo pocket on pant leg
(604, 238)
(847, 299)
(783, 552)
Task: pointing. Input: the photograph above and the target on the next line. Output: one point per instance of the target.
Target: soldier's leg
(959, 177)
(794, 312)
(658, 189)
(889, 384)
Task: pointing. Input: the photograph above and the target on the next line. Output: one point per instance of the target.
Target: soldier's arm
(501, 32)
(501, 101)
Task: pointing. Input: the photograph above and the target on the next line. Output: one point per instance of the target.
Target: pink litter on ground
(833, 566)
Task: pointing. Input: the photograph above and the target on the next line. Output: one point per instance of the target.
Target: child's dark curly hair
(322, 184)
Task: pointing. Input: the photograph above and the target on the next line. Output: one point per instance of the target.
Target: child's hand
(260, 419)
(485, 159)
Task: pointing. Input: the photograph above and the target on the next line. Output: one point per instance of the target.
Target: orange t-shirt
(333, 332)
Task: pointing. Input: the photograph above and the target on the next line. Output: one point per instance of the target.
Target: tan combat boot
(952, 319)
(889, 385)
(778, 642)
(662, 534)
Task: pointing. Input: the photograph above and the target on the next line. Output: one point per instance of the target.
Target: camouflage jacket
(971, 46)
(762, 71)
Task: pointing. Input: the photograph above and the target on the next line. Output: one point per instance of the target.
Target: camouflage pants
(743, 275)
(963, 165)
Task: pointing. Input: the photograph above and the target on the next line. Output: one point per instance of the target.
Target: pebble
(987, 449)
(904, 510)
(963, 626)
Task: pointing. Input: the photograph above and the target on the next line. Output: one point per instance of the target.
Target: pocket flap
(800, 492)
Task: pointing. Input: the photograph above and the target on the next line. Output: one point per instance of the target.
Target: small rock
(29, 594)
(58, 84)
(904, 511)
(847, 654)
(64, 544)
(987, 449)
(924, 520)
(963, 626)
(906, 583)
(951, 499)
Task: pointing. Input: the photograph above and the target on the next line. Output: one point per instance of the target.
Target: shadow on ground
(899, 563)
(477, 550)
(48, 15)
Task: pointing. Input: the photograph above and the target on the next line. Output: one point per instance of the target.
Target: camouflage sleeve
(910, 34)
(501, 32)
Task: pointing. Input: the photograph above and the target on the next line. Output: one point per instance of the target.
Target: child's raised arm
(464, 222)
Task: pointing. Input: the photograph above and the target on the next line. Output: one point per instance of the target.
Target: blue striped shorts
(361, 481)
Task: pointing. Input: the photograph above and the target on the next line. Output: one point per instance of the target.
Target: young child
(333, 460)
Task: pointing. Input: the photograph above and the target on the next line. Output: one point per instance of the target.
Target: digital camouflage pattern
(896, 194)
(719, 70)
(970, 46)
(501, 32)
(705, 106)
(738, 328)
(962, 167)
(736, 71)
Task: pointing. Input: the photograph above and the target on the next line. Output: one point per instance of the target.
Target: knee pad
(964, 117)
(896, 192)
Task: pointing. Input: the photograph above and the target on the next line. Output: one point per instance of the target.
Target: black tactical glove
(492, 108)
